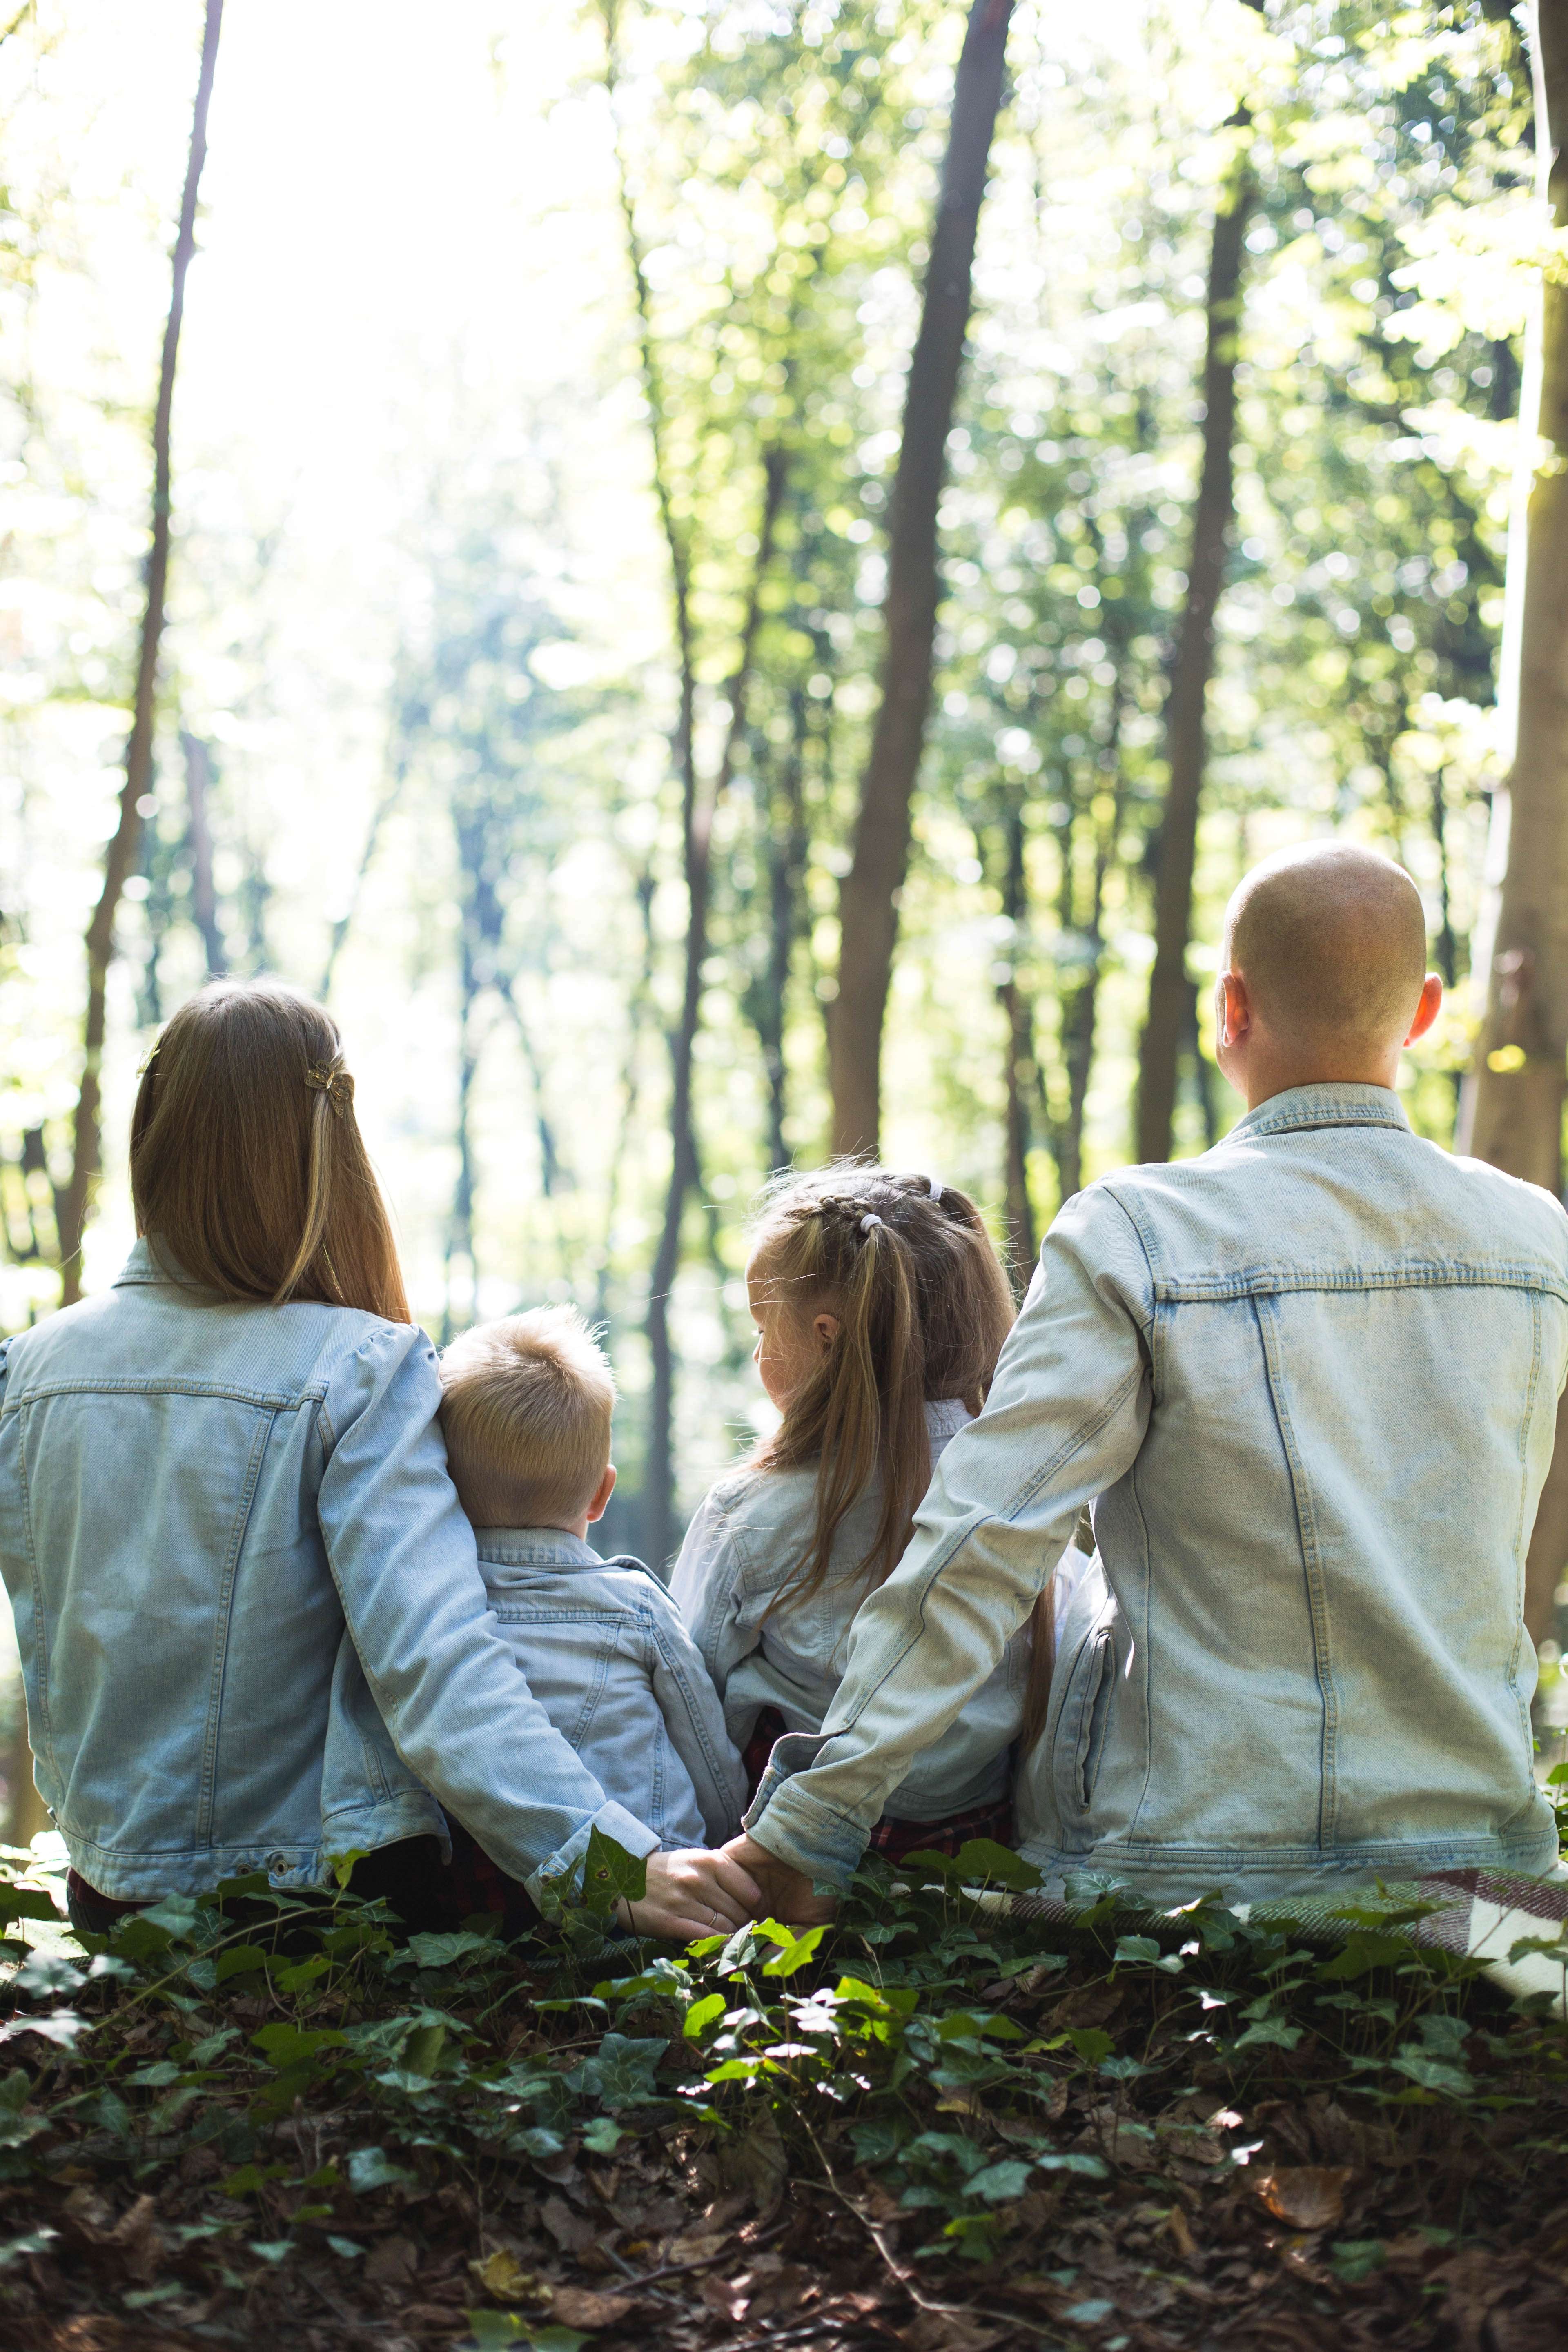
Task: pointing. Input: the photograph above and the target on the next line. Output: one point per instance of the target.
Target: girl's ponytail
(906, 1267)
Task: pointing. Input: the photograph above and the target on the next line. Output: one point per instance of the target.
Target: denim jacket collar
(141, 1266)
(1335, 1104)
(534, 1548)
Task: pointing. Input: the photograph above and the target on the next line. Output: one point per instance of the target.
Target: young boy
(526, 1411)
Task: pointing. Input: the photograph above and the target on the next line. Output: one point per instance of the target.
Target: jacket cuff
(821, 1843)
(612, 1821)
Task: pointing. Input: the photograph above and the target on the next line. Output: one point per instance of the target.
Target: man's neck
(1267, 1075)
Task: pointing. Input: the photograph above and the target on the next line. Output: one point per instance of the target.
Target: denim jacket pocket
(1081, 1726)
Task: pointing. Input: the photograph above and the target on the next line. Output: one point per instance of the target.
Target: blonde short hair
(526, 1411)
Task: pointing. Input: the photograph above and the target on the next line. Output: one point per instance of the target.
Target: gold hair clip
(148, 1058)
(336, 1084)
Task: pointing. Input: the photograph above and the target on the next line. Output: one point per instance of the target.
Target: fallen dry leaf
(571, 2232)
(696, 2246)
(392, 2262)
(580, 2306)
(1306, 2196)
(947, 2331)
(503, 2278)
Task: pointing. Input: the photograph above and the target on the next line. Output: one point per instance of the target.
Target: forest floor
(933, 2127)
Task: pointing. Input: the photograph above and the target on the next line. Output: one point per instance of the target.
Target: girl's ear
(825, 1330)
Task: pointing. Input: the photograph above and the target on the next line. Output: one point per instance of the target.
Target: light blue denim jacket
(1312, 1379)
(748, 1535)
(605, 1653)
(252, 1625)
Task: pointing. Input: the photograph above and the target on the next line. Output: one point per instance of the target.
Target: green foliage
(923, 2052)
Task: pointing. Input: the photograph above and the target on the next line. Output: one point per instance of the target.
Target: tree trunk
(204, 898)
(787, 850)
(1185, 704)
(1018, 1045)
(700, 809)
(120, 856)
(868, 897)
(1511, 1112)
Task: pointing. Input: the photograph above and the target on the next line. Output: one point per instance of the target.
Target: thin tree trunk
(460, 1226)
(204, 898)
(1018, 1044)
(788, 847)
(1185, 704)
(1512, 1111)
(88, 1145)
(868, 896)
(698, 841)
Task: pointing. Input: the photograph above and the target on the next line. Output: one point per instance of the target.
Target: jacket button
(276, 1862)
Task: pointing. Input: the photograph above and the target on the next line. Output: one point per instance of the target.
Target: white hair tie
(869, 1220)
(937, 1187)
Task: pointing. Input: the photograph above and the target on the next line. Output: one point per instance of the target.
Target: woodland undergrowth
(249, 2120)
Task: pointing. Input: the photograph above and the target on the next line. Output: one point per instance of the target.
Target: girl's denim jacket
(1312, 1379)
(748, 1534)
(253, 1630)
(606, 1654)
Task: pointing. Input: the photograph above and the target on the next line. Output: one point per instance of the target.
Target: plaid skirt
(891, 1839)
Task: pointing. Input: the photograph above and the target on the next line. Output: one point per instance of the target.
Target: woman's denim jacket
(253, 1630)
(1313, 1377)
(749, 1534)
(606, 1654)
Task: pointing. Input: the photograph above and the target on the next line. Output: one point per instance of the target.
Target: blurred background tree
(536, 426)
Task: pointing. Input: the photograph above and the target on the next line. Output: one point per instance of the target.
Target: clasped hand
(701, 1892)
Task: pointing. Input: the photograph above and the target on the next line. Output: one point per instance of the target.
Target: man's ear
(1426, 1012)
(601, 1493)
(1233, 1008)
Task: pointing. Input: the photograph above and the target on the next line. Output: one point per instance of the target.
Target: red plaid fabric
(892, 1840)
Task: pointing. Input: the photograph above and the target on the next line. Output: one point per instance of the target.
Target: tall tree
(120, 857)
(1170, 996)
(869, 898)
(1513, 1104)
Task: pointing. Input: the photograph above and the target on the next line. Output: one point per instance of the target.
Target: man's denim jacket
(1312, 1379)
(748, 1536)
(253, 1630)
(605, 1653)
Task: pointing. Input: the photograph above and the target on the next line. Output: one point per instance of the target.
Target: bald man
(1309, 1382)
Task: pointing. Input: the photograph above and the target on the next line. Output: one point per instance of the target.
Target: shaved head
(1330, 939)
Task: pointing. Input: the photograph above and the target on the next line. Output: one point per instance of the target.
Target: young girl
(253, 1629)
(880, 1307)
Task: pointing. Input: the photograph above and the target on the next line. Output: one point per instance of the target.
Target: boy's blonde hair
(526, 1411)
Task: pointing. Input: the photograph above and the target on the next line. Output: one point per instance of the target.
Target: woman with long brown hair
(253, 1629)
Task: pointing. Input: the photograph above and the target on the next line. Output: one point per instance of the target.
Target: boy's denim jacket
(1312, 1379)
(253, 1630)
(605, 1653)
(748, 1534)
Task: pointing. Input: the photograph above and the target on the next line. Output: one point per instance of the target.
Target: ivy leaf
(1090, 2043)
(611, 1874)
(982, 1861)
(703, 2014)
(446, 1951)
(1434, 2074)
(239, 1960)
(33, 2242)
(997, 2182)
(601, 2136)
(291, 2045)
(793, 1950)
(372, 2167)
(24, 1903)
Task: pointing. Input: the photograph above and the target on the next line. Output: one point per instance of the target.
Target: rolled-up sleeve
(1064, 1420)
(403, 1557)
